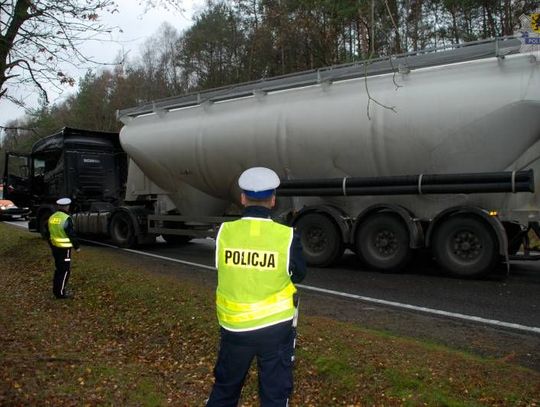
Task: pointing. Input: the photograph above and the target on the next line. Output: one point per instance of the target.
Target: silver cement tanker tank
(473, 116)
(446, 112)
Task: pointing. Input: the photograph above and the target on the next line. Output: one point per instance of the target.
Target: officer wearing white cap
(62, 239)
(258, 263)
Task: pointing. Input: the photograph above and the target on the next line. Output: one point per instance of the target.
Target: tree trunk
(394, 16)
(20, 15)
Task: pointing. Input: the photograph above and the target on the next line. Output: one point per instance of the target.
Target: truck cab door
(16, 179)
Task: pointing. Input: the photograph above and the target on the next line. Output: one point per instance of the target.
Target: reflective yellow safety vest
(59, 237)
(254, 286)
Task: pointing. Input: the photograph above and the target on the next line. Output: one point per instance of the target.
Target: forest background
(243, 40)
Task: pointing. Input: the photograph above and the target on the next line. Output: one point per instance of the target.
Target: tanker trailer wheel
(465, 246)
(382, 242)
(321, 239)
(123, 230)
(176, 240)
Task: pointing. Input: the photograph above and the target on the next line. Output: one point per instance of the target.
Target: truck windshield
(39, 166)
(18, 166)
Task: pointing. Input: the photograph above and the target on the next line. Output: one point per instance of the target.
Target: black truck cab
(89, 167)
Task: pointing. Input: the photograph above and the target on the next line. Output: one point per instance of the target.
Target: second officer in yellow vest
(258, 262)
(62, 240)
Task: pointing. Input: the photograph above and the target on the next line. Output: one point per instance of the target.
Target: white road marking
(424, 309)
(157, 256)
(23, 225)
(470, 318)
(189, 263)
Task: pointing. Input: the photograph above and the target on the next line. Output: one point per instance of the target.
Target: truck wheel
(43, 223)
(382, 242)
(321, 239)
(465, 246)
(122, 230)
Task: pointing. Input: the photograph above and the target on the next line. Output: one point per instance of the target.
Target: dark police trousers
(62, 263)
(274, 349)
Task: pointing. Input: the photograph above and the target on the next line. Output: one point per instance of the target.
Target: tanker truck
(433, 152)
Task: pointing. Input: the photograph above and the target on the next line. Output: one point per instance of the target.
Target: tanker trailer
(472, 113)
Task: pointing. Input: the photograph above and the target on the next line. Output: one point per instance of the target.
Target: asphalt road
(513, 299)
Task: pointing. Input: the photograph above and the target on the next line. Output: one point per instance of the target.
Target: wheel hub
(316, 239)
(386, 243)
(466, 245)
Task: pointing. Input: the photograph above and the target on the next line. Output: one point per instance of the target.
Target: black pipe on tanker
(410, 179)
(495, 182)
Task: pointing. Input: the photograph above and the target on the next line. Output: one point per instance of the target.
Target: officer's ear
(273, 201)
(243, 199)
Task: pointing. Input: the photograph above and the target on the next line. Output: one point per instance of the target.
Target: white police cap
(258, 182)
(63, 201)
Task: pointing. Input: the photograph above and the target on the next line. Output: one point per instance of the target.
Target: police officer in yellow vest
(258, 262)
(62, 240)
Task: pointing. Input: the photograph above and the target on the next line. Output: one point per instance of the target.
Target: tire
(383, 243)
(176, 240)
(122, 230)
(321, 239)
(465, 246)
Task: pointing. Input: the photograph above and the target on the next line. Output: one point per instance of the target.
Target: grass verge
(134, 338)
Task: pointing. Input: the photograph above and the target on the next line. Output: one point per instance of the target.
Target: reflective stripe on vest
(254, 286)
(58, 234)
(232, 312)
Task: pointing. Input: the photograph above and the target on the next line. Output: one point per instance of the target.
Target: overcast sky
(136, 24)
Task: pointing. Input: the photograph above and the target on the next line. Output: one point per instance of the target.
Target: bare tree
(157, 63)
(39, 37)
